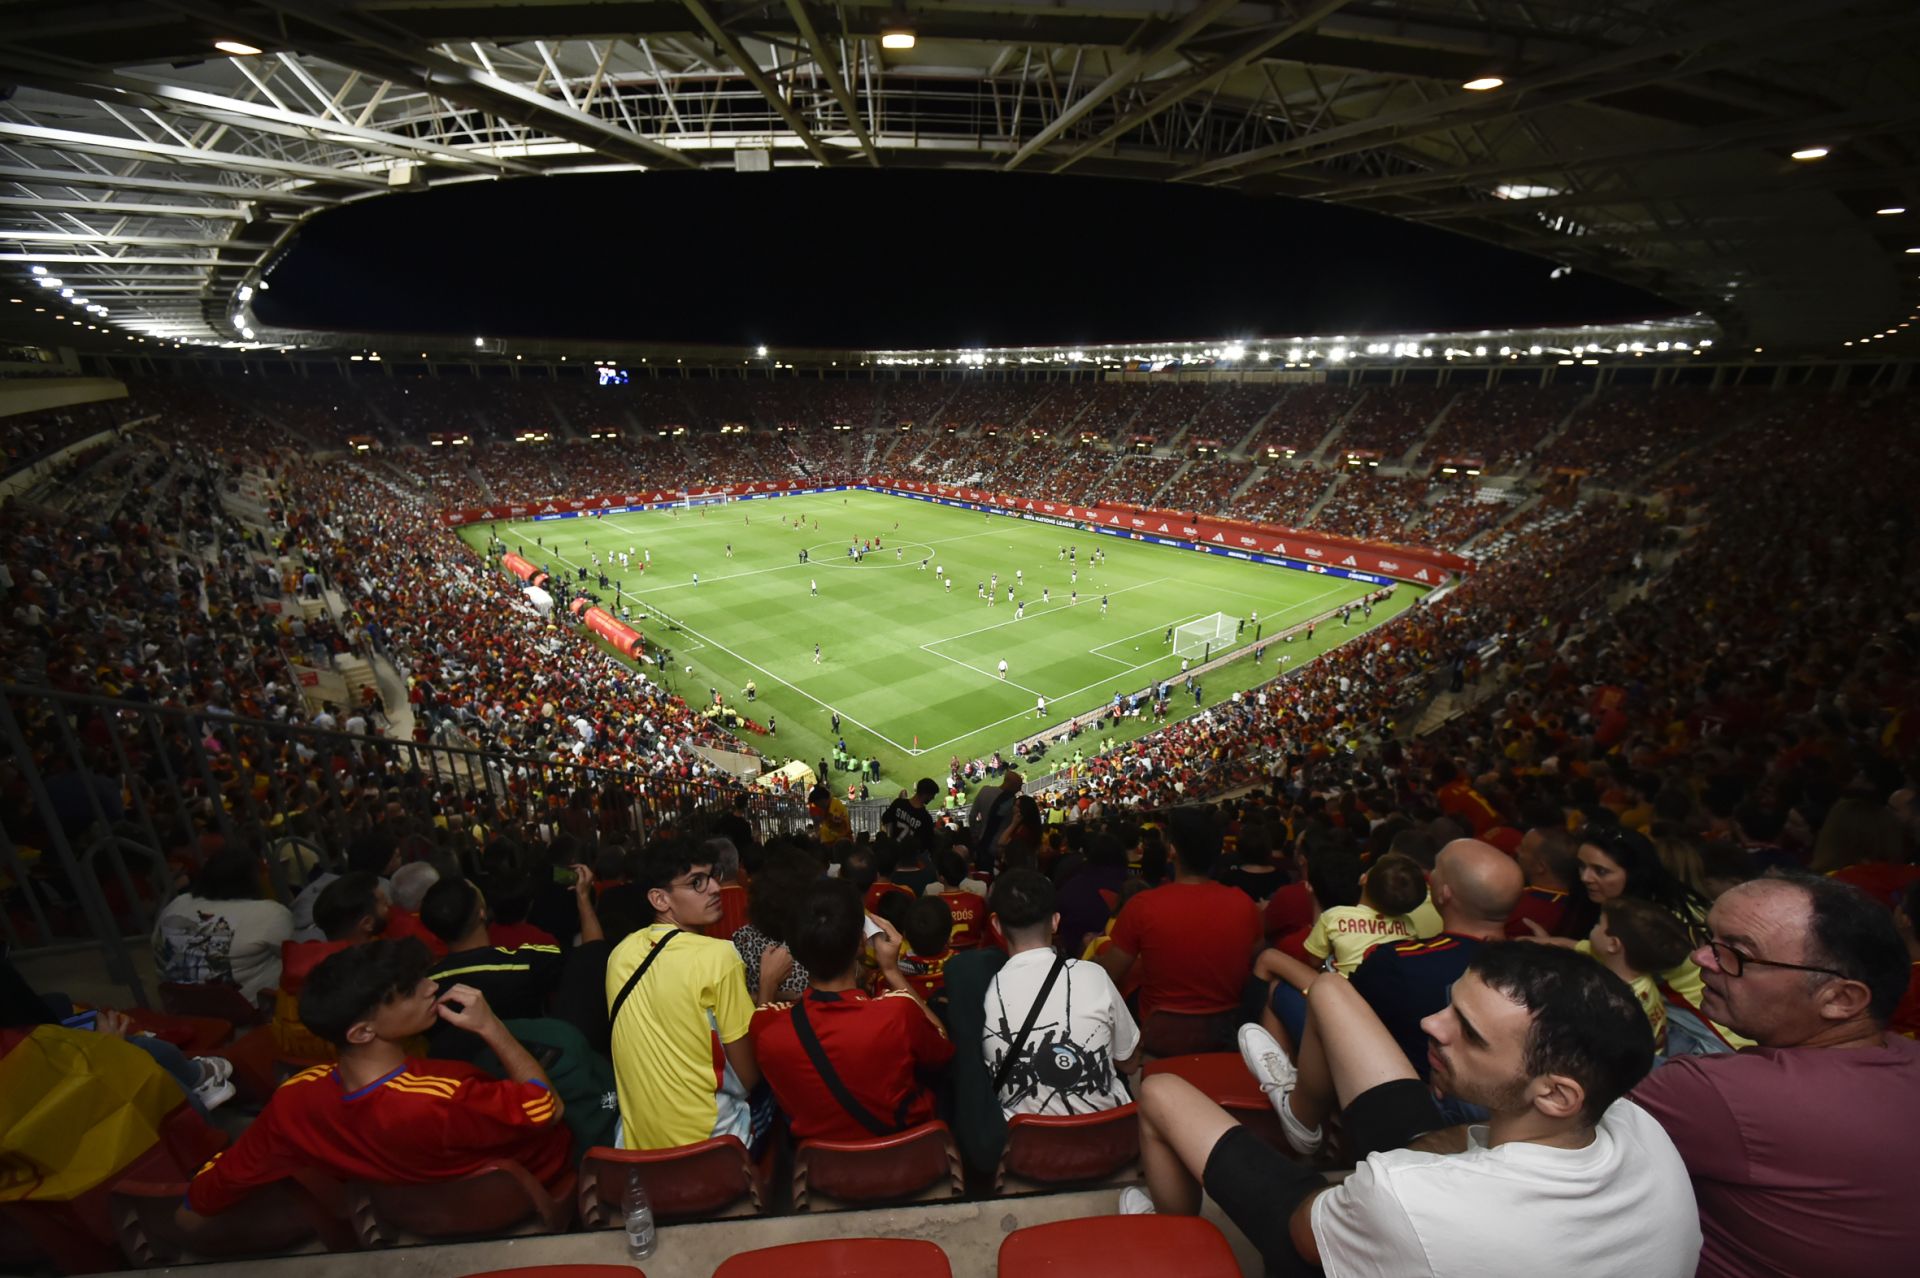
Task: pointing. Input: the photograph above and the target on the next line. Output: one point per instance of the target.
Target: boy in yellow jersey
(680, 1009)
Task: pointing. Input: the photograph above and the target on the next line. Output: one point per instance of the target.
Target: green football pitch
(911, 666)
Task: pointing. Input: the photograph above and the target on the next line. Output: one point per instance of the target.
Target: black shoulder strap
(830, 1076)
(1033, 1014)
(620, 999)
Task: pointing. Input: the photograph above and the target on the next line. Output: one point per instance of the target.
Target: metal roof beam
(106, 87)
(167, 153)
(394, 55)
(1118, 78)
(1204, 77)
(104, 237)
(1752, 35)
(37, 204)
(1839, 127)
(751, 69)
(1815, 179)
(836, 82)
(27, 175)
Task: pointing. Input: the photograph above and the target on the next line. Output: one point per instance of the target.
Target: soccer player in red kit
(382, 1115)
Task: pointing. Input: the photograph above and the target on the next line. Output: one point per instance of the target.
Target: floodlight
(237, 48)
(479, 341)
(1889, 211)
(896, 36)
(1811, 153)
(1483, 83)
(41, 270)
(760, 351)
(1235, 350)
(48, 281)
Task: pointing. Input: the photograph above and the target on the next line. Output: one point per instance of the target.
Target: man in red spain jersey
(880, 1050)
(381, 1115)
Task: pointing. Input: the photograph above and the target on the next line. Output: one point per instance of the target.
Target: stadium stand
(1500, 426)
(1618, 665)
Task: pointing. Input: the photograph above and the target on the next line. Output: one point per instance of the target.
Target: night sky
(863, 259)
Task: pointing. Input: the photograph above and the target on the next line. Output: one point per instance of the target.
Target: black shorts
(1258, 1187)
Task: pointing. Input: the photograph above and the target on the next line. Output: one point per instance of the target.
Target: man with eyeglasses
(681, 1057)
(1801, 1149)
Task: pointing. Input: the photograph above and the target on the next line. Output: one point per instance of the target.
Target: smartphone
(873, 929)
(81, 1020)
(563, 877)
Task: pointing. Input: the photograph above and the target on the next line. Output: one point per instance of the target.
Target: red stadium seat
(500, 1200)
(217, 999)
(303, 1213)
(1118, 1247)
(733, 913)
(563, 1271)
(693, 1182)
(921, 1163)
(1047, 1151)
(1225, 1080)
(194, 1035)
(1165, 1033)
(841, 1258)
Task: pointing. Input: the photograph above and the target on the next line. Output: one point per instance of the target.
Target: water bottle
(641, 1236)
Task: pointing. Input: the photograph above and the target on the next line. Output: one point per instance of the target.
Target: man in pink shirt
(1800, 1148)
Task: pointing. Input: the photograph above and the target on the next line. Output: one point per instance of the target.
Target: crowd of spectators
(1624, 433)
(1388, 421)
(1284, 495)
(1693, 694)
(1229, 412)
(1370, 505)
(27, 437)
(1500, 425)
(1301, 419)
(1207, 486)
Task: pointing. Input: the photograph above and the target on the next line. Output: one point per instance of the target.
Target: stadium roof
(156, 176)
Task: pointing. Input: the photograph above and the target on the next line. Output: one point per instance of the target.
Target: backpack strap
(1033, 1014)
(620, 999)
(831, 1077)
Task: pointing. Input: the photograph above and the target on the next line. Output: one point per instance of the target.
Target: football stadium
(1093, 640)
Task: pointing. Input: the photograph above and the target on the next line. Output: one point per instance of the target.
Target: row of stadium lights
(1300, 355)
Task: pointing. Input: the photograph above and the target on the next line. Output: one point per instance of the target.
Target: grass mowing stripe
(904, 660)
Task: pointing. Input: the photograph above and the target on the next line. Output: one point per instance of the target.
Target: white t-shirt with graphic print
(1067, 1063)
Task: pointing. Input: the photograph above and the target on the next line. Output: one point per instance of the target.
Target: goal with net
(1201, 639)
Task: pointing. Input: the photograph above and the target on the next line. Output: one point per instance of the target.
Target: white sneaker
(1277, 1076)
(1135, 1201)
(216, 1084)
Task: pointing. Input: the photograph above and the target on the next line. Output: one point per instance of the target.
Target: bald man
(1475, 887)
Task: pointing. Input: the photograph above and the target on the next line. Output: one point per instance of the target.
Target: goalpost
(1201, 639)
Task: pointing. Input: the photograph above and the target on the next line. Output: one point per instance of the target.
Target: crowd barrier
(117, 798)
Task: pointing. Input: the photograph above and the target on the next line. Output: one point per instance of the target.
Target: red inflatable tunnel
(624, 638)
(524, 569)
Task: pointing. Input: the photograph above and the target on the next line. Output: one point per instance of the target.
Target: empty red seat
(500, 1200)
(1045, 1151)
(713, 1178)
(563, 1271)
(1226, 1081)
(919, 1163)
(194, 1035)
(1118, 1247)
(304, 1213)
(841, 1258)
(218, 1000)
(1165, 1033)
